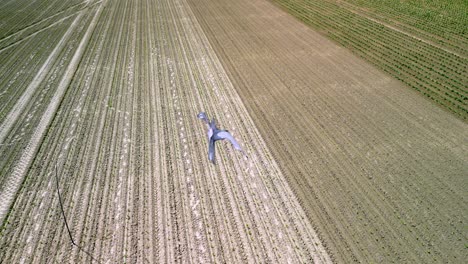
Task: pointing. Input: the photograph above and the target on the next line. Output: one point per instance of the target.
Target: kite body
(215, 134)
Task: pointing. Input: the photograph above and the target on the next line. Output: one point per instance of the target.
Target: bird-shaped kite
(215, 134)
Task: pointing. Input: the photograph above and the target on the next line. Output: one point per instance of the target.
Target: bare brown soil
(380, 171)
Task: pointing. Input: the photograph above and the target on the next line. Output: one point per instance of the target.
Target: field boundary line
(13, 182)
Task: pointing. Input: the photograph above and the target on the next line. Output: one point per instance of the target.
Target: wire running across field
(65, 219)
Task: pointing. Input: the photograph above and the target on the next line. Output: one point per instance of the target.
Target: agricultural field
(107, 102)
(344, 161)
(380, 170)
(424, 44)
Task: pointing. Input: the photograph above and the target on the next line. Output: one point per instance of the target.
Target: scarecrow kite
(215, 134)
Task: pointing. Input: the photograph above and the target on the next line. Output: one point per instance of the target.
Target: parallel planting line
(19, 66)
(340, 130)
(223, 104)
(40, 76)
(429, 69)
(14, 181)
(19, 32)
(132, 157)
(403, 31)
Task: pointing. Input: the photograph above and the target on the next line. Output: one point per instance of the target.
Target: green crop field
(421, 43)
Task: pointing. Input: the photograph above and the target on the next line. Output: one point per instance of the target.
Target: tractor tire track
(13, 183)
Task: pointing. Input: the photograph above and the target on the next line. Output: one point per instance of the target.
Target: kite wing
(202, 116)
(211, 150)
(228, 136)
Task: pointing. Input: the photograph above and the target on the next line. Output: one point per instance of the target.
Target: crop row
(19, 15)
(441, 21)
(211, 99)
(71, 122)
(18, 66)
(419, 52)
(428, 69)
(384, 18)
(40, 108)
(132, 157)
(339, 129)
(26, 112)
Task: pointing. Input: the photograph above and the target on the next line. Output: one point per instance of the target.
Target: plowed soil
(380, 170)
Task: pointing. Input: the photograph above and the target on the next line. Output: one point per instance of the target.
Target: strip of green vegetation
(439, 21)
(430, 68)
(442, 17)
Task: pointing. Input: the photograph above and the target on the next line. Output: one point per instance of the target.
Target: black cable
(65, 219)
(61, 206)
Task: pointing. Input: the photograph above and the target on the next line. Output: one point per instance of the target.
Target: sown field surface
(105, 97)
(380, 170)
(424, 44)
